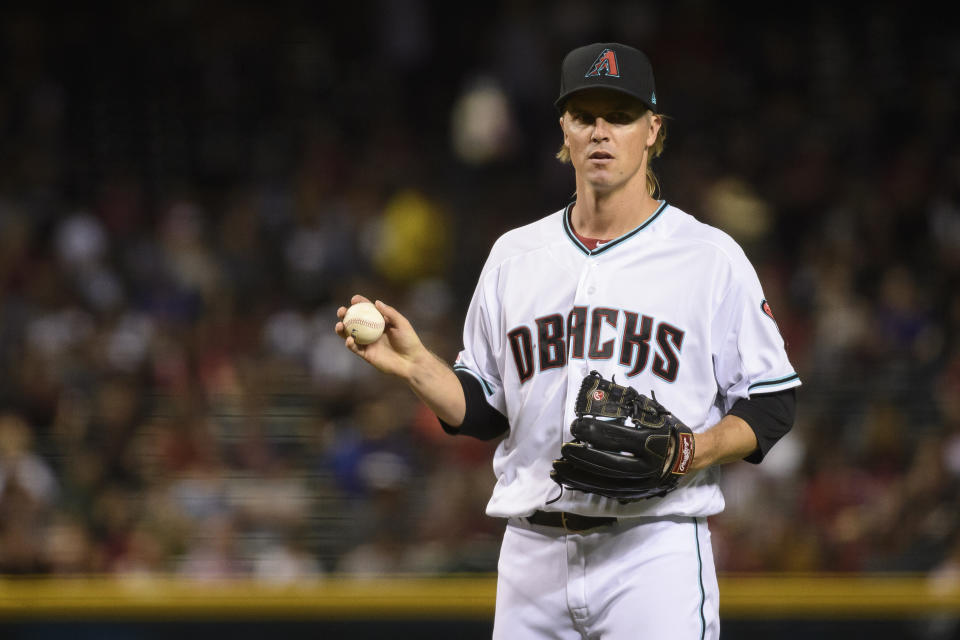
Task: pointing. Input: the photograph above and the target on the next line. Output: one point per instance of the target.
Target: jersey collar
(568, 229)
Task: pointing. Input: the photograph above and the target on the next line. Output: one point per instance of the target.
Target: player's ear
(655, 123)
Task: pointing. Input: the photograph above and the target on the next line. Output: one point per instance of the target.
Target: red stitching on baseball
(366, 323)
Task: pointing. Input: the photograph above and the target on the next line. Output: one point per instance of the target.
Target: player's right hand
(397, 351)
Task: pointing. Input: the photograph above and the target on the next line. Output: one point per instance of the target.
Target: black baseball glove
(626, 446)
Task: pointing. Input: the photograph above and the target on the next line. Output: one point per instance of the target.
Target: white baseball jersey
(673, 307)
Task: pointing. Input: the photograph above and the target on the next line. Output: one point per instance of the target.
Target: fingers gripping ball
(626, 446)
(364, 322)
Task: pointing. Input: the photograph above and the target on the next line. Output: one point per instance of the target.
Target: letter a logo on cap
(604, 65)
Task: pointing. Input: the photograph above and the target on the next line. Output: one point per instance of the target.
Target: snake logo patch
(765, 307)
(604, 65)
(767, 311)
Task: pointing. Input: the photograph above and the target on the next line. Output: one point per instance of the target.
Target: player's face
(608, 135)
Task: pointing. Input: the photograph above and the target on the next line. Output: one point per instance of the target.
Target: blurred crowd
(187, 194)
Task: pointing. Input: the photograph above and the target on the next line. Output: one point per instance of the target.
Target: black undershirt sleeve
(481, 421)
(770, 416)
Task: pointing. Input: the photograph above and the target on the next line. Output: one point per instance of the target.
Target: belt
(570, 522)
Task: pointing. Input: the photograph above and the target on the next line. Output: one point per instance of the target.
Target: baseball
(363, 322)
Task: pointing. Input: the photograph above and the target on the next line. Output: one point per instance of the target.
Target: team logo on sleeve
(604, 65)
(767, 311)
(765, 307)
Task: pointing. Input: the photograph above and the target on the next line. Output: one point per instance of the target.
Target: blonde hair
(653, 185)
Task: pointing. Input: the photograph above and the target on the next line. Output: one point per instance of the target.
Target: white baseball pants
(639, 579)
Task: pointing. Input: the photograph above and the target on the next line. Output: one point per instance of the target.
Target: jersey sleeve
(750, 357)
(482, 339)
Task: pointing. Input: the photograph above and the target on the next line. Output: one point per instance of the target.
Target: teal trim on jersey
(568, 228)
(486, 385)
(773, 383)
(703, 593)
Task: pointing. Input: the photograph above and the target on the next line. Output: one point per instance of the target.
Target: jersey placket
(585, 296)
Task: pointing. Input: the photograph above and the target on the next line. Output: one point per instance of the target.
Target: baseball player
(617, 297)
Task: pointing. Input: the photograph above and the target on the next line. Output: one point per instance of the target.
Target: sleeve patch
(767, 310)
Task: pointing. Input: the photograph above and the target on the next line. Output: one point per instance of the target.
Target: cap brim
(565, 96)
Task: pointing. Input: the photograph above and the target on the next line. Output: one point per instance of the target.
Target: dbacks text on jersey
(557, 339)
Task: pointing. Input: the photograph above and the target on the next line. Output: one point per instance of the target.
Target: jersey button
(591, 290)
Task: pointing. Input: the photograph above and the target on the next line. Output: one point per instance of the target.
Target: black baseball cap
(608, 65)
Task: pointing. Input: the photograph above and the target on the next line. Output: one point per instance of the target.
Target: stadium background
(189, 190)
